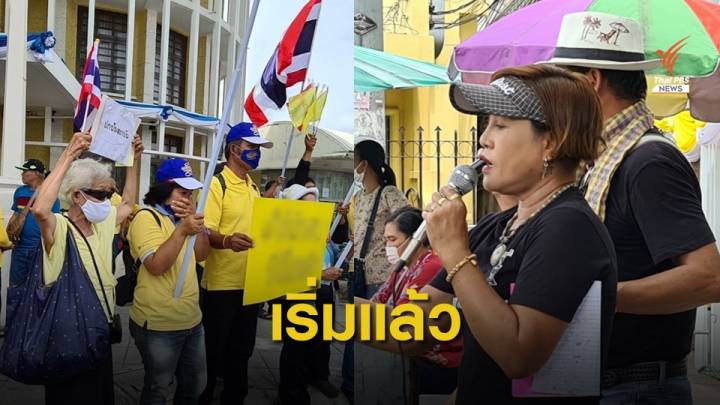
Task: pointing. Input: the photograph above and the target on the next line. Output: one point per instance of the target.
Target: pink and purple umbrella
(684, 32)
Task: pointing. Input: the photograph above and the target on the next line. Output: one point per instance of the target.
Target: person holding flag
(229, 325)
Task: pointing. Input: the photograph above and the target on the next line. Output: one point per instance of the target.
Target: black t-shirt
(653, 214)
(557, 256)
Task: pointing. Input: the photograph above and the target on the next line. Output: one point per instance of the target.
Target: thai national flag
(90, 90)
(288, 65)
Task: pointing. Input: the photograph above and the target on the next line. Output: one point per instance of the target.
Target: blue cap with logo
(246, 131)
(178, 171)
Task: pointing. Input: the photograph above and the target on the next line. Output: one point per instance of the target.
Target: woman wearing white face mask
(370, 208)
(85, 187)
(435, 371)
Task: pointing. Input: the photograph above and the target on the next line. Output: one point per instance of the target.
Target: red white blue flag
(90, 93)
(287, 67)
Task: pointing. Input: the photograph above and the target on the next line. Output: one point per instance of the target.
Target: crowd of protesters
(206, 333)
(633, 223)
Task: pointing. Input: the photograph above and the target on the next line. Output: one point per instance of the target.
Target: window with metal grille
(177, 60)
(111, 30)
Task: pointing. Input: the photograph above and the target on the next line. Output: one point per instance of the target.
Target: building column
(164, 44)
(147, 96)
(149, 67)
(144, 180)
(12, 152)
(59, 29)
(191, 79)
(129, 49)
(91, 25)
(233, 20)
(13, 140)
(215, 62)
(51, 15)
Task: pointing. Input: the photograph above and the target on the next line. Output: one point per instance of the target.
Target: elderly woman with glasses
(84, 187)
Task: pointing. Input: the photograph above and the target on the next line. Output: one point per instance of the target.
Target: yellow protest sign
(290, 239)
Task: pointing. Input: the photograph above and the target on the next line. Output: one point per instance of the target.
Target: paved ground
(263, 375)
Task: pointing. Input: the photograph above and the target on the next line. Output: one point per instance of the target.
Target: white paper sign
(113, 132)
(574, 367)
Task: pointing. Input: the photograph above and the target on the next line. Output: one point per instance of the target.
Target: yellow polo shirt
(4, 239)
(100, 242)
(153, 301)
(225, 269)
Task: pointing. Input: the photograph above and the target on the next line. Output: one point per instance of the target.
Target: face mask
(251, 157)
(168, 209)
(358, 177)
(392, 254)
(95, 212)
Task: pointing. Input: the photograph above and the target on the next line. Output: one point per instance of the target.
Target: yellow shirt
(4, 239)
(153, 301)
(225, 269)
(101, 244)
(683, 127)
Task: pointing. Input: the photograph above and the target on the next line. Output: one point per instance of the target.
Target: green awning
(378, 71)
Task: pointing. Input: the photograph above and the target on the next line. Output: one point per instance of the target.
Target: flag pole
(87, 102)
(292, 127)
(345, 202)
(219, 137)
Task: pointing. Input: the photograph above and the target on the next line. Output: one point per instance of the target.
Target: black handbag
(359, 282)
(116, 323)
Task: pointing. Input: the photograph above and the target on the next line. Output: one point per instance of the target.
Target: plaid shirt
(622, 131)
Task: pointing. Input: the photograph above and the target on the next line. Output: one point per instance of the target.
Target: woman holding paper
(85, 186)
(520, 275)
(168, 331)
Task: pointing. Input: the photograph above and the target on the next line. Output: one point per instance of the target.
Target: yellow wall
(37, 16)
(139, 55)
(71, 34)
(34, 132)
(200, 83)
(406, 33)
(2, 15)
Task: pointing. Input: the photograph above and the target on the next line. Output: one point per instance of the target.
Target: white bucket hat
(602, 41)
(298, 191)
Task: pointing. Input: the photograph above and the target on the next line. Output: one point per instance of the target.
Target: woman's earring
(547, 167)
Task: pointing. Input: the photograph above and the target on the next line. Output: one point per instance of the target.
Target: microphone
(462, 180)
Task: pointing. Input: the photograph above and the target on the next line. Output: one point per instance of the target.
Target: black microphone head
(463, 179)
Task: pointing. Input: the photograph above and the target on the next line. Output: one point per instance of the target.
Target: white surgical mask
(358, 178)
(95, 212)
(392, 253)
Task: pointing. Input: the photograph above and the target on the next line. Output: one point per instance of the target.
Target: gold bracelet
(468, 259)
(223, 242)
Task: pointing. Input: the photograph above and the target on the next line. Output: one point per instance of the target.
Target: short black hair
(159, 193)
(301, 182)
(624, 84)
(408, 220)
(269, 185)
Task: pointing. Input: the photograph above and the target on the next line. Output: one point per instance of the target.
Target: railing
(428, 157)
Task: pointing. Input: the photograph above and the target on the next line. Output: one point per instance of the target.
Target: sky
(331, 62)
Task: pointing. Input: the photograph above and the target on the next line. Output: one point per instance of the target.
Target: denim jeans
(672, 391)
(20, 263)
(165, 355)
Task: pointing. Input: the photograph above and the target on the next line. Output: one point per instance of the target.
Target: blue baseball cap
(178, 171)
(246, 131)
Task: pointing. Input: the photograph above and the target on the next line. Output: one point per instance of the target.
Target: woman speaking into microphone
(520, 275)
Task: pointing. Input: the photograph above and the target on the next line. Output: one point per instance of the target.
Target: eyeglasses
(98, 194)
